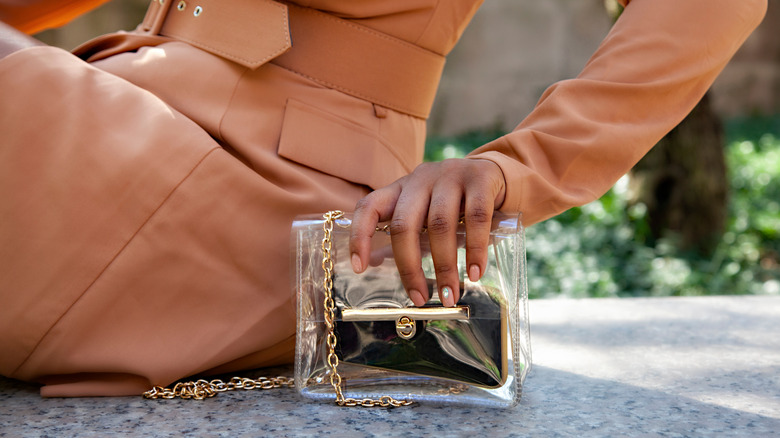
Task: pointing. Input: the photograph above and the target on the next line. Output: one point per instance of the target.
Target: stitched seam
(231, 56)
(428, 25)
(354, 126)
(230, 101)
(356, 94)
(368, 31)
(110, 262)
(282, 22)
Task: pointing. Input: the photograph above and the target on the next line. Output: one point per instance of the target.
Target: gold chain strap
(330, 308)
(202, 389)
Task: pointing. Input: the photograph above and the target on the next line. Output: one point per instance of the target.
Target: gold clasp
(405, 319)
(405, 327)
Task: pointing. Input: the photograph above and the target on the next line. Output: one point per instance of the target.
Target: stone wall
(112, 16)
(511, 52)
(750, 84)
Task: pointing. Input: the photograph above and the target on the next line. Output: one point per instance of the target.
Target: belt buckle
(155, 16)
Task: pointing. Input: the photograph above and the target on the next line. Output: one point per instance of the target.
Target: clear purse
(361, 338)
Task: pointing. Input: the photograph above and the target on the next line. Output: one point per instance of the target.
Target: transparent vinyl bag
(477, 353)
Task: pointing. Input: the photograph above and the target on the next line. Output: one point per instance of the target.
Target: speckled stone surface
(674, 367)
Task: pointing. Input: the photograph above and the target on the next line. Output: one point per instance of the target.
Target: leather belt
(334, 52)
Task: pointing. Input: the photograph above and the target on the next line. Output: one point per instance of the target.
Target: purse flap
(444, 342)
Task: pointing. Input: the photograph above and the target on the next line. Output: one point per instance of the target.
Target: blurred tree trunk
(683, 183)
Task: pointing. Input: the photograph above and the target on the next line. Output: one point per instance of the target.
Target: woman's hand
(435, 195)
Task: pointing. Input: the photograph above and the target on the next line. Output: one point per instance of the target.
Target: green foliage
(441, 148)
(594, 250)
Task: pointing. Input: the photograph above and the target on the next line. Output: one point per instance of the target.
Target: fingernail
(356, 265)
(447, 297)
(474, 272)
(417, 298)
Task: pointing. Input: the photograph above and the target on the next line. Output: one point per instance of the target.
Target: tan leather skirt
(145, 208)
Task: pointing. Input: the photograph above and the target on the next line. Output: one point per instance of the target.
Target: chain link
(203, 389)
(330, 310)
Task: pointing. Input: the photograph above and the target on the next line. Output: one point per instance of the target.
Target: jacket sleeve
(31, 16)
(656, 63)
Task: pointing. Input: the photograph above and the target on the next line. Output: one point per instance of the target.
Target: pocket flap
(338, 147)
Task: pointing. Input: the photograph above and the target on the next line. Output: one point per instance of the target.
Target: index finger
(377, 206)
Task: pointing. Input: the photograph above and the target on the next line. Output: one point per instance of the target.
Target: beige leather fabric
(147, 201)
(136, 249)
